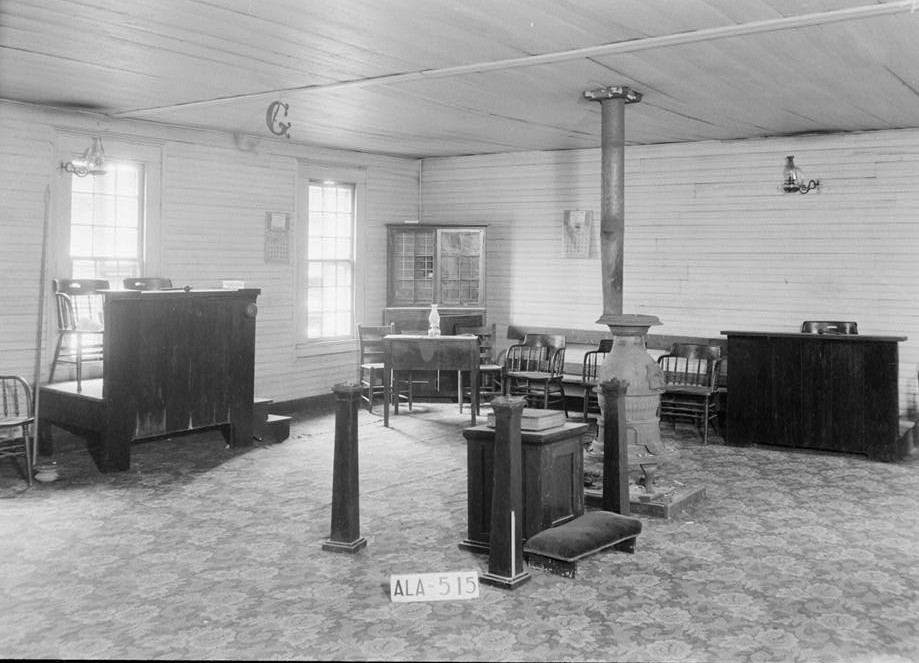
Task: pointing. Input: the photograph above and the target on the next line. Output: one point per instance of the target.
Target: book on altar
(534, 419)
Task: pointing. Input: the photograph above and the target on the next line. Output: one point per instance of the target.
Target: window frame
(116, 195)
(72, 146)
(357, 178)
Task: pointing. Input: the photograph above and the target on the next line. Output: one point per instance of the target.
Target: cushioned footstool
(558, 549)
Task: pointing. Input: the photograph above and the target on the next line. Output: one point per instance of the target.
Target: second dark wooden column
(615, 447)
(505, 555)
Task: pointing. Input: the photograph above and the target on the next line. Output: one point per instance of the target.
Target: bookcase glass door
(412, 263)
(460, 253)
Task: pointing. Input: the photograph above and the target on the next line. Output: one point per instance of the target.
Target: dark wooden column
(346, 524)
(615, 447)
(612, 199)
(505, 555)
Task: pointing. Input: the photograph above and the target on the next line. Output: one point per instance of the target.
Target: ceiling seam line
(630, 46)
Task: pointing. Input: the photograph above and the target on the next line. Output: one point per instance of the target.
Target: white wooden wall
(216, 189)
(25, 158)
(710, 244)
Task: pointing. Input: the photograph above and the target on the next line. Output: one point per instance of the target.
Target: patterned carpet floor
(205, 552)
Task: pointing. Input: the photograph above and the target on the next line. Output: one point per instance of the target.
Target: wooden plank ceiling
(439, 77)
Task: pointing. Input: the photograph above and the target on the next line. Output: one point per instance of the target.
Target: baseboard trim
(307, 405)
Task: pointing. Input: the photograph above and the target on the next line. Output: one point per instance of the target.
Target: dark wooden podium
(174, 362)
(815, 391)
(553, 480)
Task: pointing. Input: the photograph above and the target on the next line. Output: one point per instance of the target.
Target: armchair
(691, 383)
(534, 369)
(371, 365)
(591, 365)
(17, 421)
(80, 324)
(490, 372)
(828, 327)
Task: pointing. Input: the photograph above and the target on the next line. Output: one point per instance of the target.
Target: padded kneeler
(558, 549)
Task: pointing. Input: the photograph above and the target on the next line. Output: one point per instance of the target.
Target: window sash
(107, 223)
(329, 265)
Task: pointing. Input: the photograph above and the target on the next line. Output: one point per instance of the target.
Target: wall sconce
(91, 163)
(794, 179)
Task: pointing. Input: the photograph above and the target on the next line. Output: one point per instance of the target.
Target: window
(107, 223)
(329, 265)
(108, 226)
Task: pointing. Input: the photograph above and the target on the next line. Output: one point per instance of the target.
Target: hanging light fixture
(91, 163)
(794, 179)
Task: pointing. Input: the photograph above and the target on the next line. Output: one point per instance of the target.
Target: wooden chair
(593, 359)
(371, 366)
(147, 283)
(490, 372)
(17, 421)
(691, 376)
(80, 324)
(828, 327)
(534, 369)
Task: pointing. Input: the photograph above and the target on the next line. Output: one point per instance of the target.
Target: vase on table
(434, 321)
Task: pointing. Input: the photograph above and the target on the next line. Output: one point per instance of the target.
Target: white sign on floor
(447, 586)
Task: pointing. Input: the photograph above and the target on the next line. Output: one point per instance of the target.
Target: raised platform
(662, 503)
(88, 414)
(268, 427)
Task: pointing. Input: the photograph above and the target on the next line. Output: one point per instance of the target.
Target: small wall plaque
(576, 233)
(277, 237)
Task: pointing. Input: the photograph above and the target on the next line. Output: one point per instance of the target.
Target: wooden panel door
(411, 266)
(461, 255)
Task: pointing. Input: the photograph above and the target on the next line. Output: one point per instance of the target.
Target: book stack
(533, 419)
